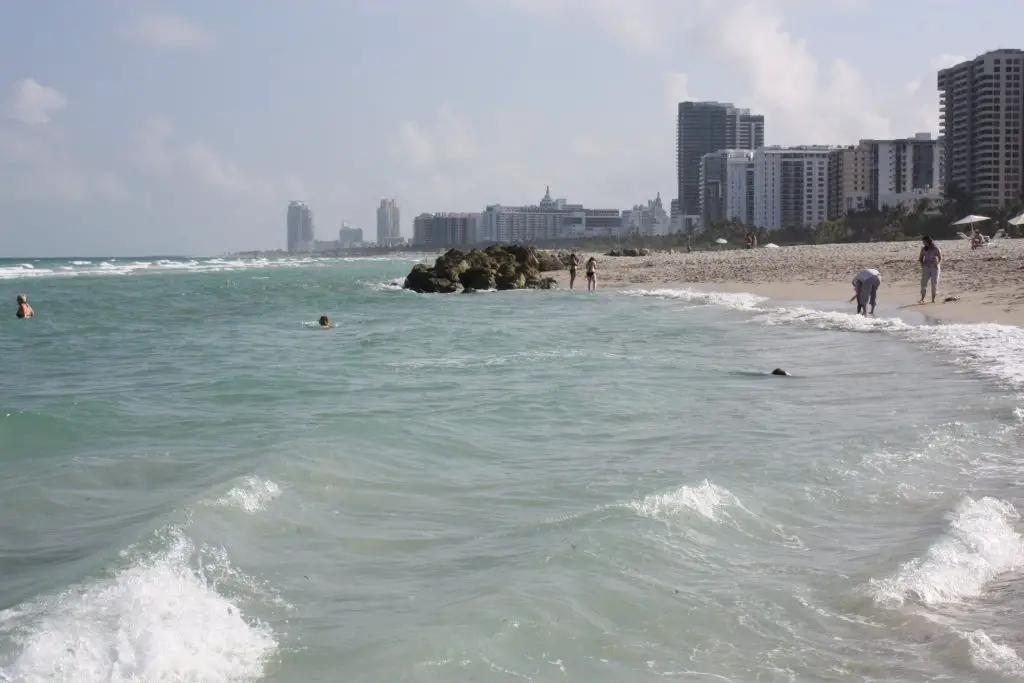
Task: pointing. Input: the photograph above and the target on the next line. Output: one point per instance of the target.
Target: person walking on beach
(930, 259)
(574, 262)
(865, 286)
(591, 274)
(24, 310)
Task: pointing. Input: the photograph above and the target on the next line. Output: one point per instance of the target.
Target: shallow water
(199, 485)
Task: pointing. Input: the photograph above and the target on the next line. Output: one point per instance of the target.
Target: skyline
(128, 129)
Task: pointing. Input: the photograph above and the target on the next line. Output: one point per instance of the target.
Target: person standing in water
(930, 259)
(574, 262)
(24, 310)
(865, 287)
(591, 274)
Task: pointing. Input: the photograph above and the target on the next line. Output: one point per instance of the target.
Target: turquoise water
(199, 485)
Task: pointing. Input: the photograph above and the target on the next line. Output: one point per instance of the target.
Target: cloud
(33, 103)
(448, 163)
(677, 89)
(40, 168)
(804, 99)
(167, 31)
(197, 165)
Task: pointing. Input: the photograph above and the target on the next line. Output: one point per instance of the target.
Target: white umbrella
(1019, 220)
(973, 218)
(721, 241)
(771, 245)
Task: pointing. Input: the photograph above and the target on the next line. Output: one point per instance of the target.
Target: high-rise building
(876, 174)
(712, 182)
(982, 126)
(727, 187)
(350, 237)
(389, 230)
(791, 186)
(444, 229)
(300, 227)
(739, 186)
(707, 127)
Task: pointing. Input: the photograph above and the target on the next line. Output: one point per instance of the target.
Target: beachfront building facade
(438, 230)
(551, 219)
(790, 186)
(389, 232)
(704, 128)
(880, 174)
(300, 234)
(982, 126)
(726, 187)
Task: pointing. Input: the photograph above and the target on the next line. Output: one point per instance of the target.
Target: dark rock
(548, 262)
(628, 252)
(477, 277)
(496, 267)
(420, 279)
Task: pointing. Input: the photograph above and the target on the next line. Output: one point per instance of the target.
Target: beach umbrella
(721, 240)
(1019, 220)
(973, 218)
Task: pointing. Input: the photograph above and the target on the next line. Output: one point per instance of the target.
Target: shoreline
(988, 282)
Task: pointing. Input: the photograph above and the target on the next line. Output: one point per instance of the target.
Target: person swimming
(324, 321)
(24, 310)
(780, 371)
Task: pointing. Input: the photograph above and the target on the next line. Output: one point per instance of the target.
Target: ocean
(198, 485)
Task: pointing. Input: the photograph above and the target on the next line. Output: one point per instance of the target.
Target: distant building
(350, 237)
(445, 229)
(300, 228)
(389, 232)
(551, 219)
(982, 126)
(740, 191)
(791, 186)
(876, 174)
(705, 128)
(727, 187)
(649, 220)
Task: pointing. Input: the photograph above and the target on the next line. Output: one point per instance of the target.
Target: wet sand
(989, 281)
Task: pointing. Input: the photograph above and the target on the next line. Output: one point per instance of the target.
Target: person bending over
(865, 287)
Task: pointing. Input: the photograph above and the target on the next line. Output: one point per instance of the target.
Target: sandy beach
(989, 281)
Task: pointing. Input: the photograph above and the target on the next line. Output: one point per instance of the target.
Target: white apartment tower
(726, 187)
(791, 186)
(739, 186)
(388, 223)
(982, 126)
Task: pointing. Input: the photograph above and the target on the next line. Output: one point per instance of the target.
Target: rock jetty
(628, 252)
(496, 267)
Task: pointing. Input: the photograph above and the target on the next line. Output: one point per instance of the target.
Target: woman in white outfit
(930, 260)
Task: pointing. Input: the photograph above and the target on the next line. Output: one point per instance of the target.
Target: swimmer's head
(324, 322)
(22, 299)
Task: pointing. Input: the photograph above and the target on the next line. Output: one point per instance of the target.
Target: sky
(184, 128)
